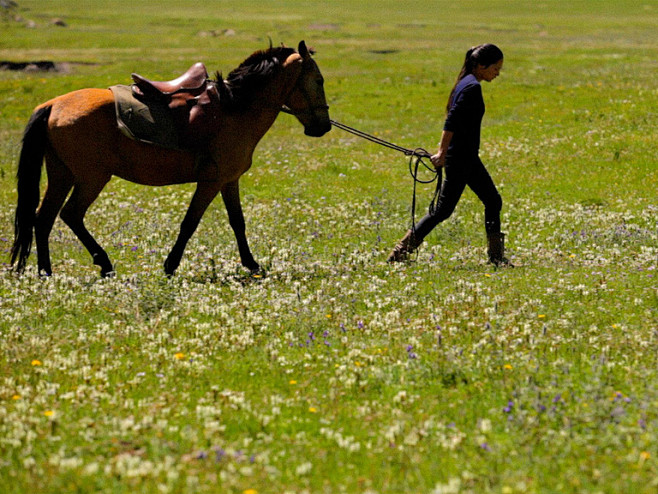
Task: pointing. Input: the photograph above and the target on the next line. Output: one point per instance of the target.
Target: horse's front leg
(203, 196)
(231, 196)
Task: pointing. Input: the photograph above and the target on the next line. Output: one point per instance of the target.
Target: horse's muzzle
(317, 129)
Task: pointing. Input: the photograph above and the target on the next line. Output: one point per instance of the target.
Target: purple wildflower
(219, 454)
(410, 353)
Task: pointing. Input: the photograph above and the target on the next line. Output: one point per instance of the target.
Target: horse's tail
(28, 176)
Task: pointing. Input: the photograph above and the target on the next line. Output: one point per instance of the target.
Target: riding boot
(404, 247)
(496, 249)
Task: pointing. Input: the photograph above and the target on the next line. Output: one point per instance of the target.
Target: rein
(419, 154)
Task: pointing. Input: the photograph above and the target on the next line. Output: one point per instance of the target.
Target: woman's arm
(439, 159)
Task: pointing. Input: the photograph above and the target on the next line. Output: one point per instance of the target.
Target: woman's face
(489, 73)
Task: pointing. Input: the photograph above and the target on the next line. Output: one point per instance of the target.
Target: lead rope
(419, 154)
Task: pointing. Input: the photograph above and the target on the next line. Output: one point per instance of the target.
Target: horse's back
(84, 135)
(69, 109)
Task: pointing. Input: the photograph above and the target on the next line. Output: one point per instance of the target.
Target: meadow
(337, 372)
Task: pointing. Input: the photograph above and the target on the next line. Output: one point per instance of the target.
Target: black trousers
(458, 174)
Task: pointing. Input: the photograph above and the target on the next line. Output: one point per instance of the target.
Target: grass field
(338, 372)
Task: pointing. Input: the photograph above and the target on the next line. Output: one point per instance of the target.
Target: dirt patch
(324, 27)
(384, 51)
(41, 66)
(10, 11)
(215, 33)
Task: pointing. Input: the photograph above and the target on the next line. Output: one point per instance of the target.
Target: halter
(310, 109)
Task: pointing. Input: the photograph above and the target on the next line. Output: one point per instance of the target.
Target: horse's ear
(303, 51)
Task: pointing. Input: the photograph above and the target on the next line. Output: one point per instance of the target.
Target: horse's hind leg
(60, 181)
(84, 194)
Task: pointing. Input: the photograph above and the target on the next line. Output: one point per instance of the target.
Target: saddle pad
(151, 123)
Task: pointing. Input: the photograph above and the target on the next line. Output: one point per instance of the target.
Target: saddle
(191, 82)
(193, 100)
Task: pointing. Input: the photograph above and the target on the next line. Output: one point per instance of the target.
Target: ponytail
(486, 55)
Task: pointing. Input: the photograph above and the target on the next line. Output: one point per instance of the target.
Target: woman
(458, 154)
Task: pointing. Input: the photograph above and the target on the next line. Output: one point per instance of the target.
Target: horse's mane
(255, 72)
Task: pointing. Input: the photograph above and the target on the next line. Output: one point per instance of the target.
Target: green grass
(338, 372)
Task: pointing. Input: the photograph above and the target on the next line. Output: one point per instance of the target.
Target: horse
(78, 135)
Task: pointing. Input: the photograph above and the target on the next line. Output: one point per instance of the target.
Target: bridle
(310, 109)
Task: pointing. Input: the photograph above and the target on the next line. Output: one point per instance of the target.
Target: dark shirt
(465, 118)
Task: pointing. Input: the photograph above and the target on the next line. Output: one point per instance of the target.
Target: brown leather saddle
(193, 100)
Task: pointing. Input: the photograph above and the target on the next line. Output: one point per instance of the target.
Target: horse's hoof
(170, 268)
(258, 273)
(101, 259)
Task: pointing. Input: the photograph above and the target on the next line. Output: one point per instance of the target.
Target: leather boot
(404, 247)
(496, 249)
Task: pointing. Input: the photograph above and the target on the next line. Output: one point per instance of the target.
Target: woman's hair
(485, 55)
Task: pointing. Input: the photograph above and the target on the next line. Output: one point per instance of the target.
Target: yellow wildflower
(179, 356)
(36, 362)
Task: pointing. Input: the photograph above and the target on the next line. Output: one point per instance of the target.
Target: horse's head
(306, 100)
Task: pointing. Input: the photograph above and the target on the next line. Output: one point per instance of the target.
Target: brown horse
(83, 148)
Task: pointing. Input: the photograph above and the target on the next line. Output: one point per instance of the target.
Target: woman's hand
(438, 160)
